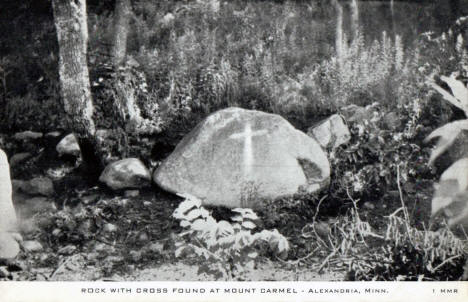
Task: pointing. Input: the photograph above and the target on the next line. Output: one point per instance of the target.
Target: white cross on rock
(247, 135)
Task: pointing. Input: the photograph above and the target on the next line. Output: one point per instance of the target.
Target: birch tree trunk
(72, 35)
(392, 11)
(354, 19)
(122, 13)
(339, 31)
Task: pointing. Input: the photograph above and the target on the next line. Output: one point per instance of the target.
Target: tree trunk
(122, 13)
(339, 31)
(392, 12)
(72, 34)
(354, 19)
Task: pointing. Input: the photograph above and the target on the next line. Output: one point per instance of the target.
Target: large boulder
(331, 132)
(7, 211)
(9, 247)
(237, 157)
(126, 173)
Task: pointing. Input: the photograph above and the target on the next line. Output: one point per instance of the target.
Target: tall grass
(207, 55)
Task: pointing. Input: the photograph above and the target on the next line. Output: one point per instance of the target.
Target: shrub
(220, 248)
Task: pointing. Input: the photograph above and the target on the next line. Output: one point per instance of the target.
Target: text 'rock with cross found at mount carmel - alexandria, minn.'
(237, 157)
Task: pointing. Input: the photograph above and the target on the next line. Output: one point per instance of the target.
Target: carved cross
(247, 135)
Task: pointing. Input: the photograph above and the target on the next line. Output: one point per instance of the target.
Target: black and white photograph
(241, 140)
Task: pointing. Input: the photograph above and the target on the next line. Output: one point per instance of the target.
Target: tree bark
(392, 12)
(354, 19)
(122, 13)
(72, 35)
(338, 31)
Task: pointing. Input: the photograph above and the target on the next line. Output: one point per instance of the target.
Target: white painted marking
(248, 151)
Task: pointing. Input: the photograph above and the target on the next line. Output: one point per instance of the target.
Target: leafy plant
(224, 249)
(452, 191)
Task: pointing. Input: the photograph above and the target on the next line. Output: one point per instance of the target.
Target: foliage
(448, 194)
(220, 248)
(126, 109)
(405, 253)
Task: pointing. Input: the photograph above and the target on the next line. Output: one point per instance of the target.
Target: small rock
(4, 273)
(369, 206)
(32, 246)
(101, 247)
(39, 186)
(19, 158)
(126, 173)
(109, 228)
(131, 193)
(92, 256)
(69, 146)
(27, 135)
(89, 199)
(67, 250)
(156, 248)
(53, 134)
(56, 232)
(331, 132)
(146, 203)
(9, 246)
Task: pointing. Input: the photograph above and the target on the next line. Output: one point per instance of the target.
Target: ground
(89, 232)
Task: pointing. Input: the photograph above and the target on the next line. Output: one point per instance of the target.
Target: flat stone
(19, 158)
(38, 186)
(53, 134)
(32, 246)
(131, 193)
(67, 250)
(27, 135)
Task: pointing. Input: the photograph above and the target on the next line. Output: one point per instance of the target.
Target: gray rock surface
(7, 210)
(69, 146)
(19, 158)
(27, 135)
(126, 173)
(236, 157)
(331, 132)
